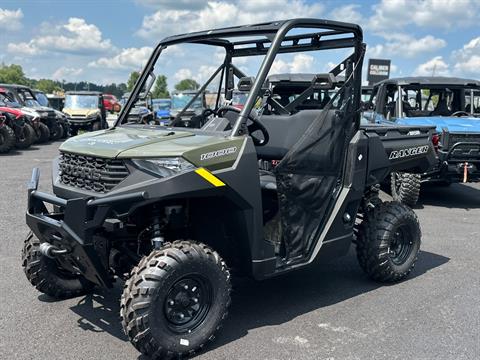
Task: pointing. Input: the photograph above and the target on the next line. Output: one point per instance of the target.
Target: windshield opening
(206, 71)
(81, 102)
(420, 100)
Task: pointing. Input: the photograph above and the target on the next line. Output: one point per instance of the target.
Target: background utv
(174, 210)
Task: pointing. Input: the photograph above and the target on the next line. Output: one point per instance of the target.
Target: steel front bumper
(74, 239)
(461, 162)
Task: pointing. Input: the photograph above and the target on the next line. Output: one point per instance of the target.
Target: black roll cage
(339, 35)
(381, 90)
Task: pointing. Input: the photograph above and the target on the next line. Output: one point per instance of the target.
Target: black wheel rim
(187, 303)
(401, 245)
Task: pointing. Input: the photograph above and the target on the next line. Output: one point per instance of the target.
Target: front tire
(56, 132)
(405, 187)
(97, 125)
(26, 138)
(388, 242)
(47, 277)
(175, 300)
(44, 133)
(7, 139)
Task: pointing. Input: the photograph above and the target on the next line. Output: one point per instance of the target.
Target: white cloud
(201, 74)
(467, 59)
(67, 73)
(11, 20)
(395, 14)
(347, 13)
(216, 14)
(130, 58)
(436, 66)
(23, 49)
(406, 46)
(76, 36)
(300, 63)
(182, 74)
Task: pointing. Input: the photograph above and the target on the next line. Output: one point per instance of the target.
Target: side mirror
(246, 83)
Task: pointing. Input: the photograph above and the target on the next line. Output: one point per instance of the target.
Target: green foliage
(187, 84)
(47, 86)
(12, 74)
(160, 89)
(134, 75)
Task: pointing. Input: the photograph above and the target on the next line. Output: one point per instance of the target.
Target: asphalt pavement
(328, 311)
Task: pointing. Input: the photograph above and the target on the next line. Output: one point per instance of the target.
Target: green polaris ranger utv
(173, 211)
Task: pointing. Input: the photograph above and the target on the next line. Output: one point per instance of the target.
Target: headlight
(165, 167)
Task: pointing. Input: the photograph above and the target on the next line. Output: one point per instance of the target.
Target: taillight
(436, 141)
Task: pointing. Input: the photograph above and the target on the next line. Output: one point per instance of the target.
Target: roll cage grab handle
(276, 47)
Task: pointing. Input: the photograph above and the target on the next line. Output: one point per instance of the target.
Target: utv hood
(452, 124)
(81, 112)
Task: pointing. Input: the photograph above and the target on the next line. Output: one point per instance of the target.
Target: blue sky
(103, 41)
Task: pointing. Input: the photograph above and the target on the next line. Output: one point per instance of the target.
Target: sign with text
(378, 70)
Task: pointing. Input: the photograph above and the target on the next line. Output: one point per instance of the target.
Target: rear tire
(405, 187)
(7, 139)
(27, 137)
(175, 300)
(44, 133)
(47, 277)
(388, 242)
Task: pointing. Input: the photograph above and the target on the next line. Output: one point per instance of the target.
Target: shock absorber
(157, 229)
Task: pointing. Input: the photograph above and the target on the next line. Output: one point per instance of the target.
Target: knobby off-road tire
(26, 138)
(65, 130)
(7, 139)
(44, 133)
(56, 132)
(405, 187)
(47, 277)
(175, 300)
(388, 242)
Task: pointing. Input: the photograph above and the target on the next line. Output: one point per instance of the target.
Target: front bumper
(63, 229)
(81, 122)
(460, 163)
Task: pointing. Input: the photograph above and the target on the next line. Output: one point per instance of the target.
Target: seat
(285, 131)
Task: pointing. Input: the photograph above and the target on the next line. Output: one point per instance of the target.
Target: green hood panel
(111, 143)
(213, 152)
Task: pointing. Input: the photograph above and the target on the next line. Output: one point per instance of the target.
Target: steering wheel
(460, 113)
(207, 112)
(254, 126)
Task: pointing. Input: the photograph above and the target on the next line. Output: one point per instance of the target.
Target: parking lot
(329, 311)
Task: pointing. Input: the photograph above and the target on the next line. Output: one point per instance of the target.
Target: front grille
(91, 173)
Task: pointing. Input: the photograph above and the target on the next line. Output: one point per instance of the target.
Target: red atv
(7, 136)
(16, 123)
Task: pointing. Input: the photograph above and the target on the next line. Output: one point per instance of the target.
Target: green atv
(174, 211)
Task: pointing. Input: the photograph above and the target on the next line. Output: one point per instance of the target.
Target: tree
(12, 74)
(134, 75)
(47, 85)
(187, 84)
(160, 88)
